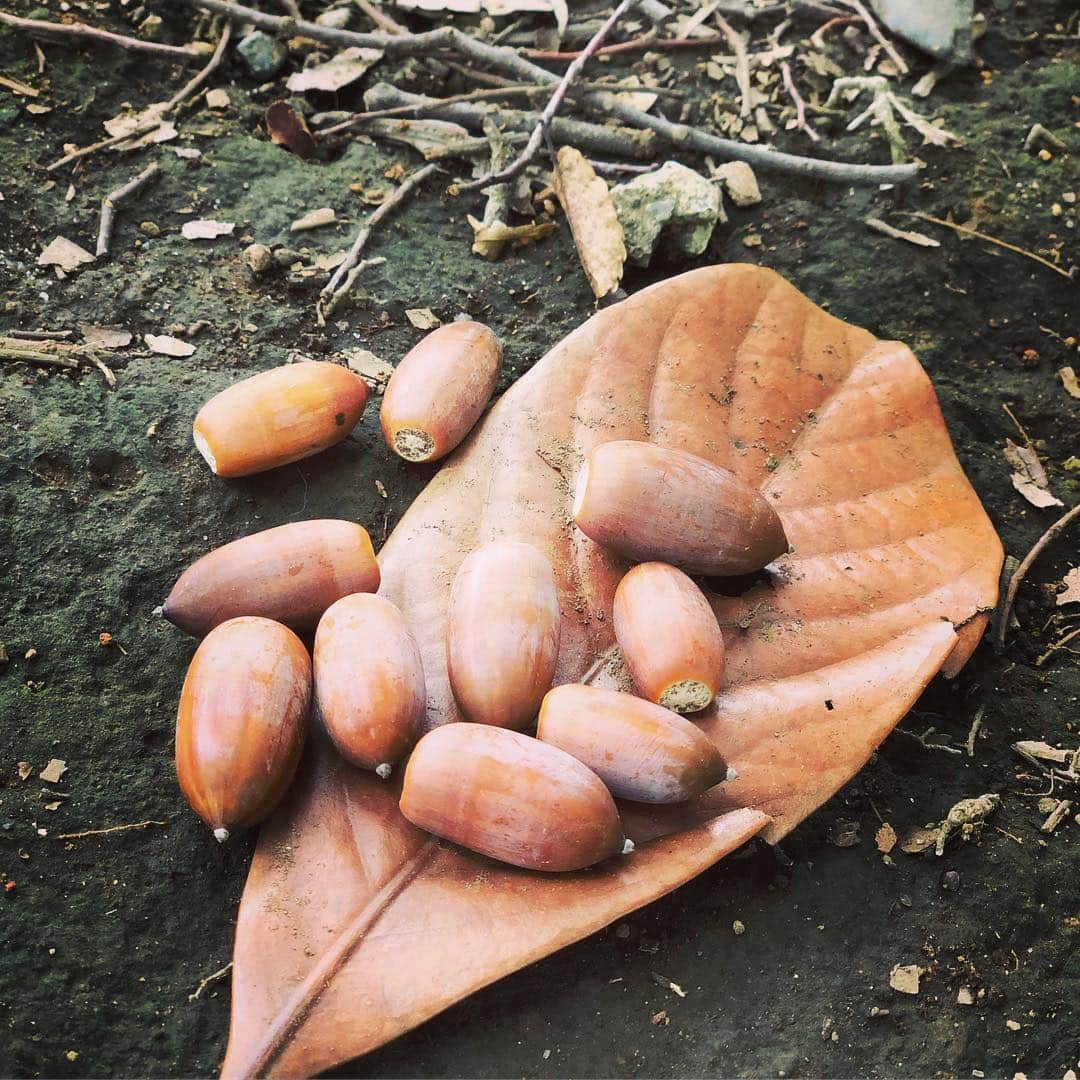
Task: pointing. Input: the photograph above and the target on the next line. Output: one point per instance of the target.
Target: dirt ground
(104, 501)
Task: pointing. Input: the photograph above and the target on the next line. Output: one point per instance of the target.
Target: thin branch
(80, 32)
(507, 61)
(380, 18)
(189, 88)
(991, 240)
(208, 981)
(11, 349)
(110, 829)
(1005, 608)
(331, 294)
(883, 41)
(976, 723)
(115, 199)
(800, 105)
(640, 44)
(742, 64)
(552, 107)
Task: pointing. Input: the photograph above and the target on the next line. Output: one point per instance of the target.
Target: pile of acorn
(545, 803)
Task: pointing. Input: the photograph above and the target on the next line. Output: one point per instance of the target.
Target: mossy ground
(102, 940)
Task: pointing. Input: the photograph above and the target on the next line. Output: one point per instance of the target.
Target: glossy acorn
(506, 795)
(242, 721)
(369, 681)
(502, 638)
(669, 637)
(650, 503)
(291, 573)
(438, 391)
(642, 751)
(278, 416)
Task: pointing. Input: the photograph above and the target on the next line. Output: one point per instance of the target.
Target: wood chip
(594, 225)
(217, 98)
(315, 220)
(423, 318)
(166, 345)
(1069, 381)
(904, 978)
(916, 238)
(52, 772)
(206, 229)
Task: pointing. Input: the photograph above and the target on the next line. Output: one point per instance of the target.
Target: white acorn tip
(384, 770)
(628, 847)
(732, 774)
(221, 835)
(159, 612)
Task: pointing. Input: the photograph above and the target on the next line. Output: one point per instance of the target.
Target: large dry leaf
(354, 926)
(598, 236)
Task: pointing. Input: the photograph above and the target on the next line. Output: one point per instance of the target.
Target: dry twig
(883, 41)
(335, 289)
(91, 35)
(507, 61)
(552, 107)
(209, 980)
(976, 723)
(110, 829)
(13, 349)
(189, 88)
(115, 199)
(967, 231)
(800, 105)
(1004, 611)
(742, 64)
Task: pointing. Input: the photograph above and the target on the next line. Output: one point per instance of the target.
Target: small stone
(964, 996)
(286, 256)
(740, 183)
(335, 18)
(738, 928)
(258, 257)
(1013, 1025)
(217, 98)
(148, 228)
(262, 55)
(673, 204)
(950, 881)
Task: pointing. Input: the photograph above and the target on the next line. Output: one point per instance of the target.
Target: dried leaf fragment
(598, 236)
(167, 345)
(217, 98)
(1071, 595)
(348, 66)
(25, 770)
(1070, 382)
(286, 127)
(206, 229)
(423, 318)
(1030, 477)
(904, 978)
(885, 838)
(52, 772)
(65, 254)
(105, 337)
(316, 219)
(919, 840)
(372, 369)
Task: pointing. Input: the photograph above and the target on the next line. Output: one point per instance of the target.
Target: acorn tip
(384, 770)
(628, 847)
(221, 835)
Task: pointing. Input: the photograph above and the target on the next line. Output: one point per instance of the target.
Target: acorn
(438, 391)
(241, 723)
(502, 633)
(278, 416)
(669, 637)
(647, 502)
(642, 751)
(291, 573)
(507, 796)
(369, 681)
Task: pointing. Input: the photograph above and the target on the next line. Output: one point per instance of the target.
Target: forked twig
(552, 107)
(1004, 611)
(115, 199)
(800, 105)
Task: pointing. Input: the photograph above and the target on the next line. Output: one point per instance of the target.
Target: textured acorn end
(669, 637)
(369, 681)
(643, 752)
(647, 502)
(438, 391)
(241, 722)
(291, 574)
(502, 639)
(507, 796)
(278, 416)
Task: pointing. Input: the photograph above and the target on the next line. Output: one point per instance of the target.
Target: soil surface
(104, 500)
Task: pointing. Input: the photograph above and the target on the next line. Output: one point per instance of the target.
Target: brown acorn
(669, 637)
(502, 633)
(647, 502)
(241, 723)
(291, 573)
(507, 796)
(369, 681)
(641, 751)
(439, 390)
(278, 416)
